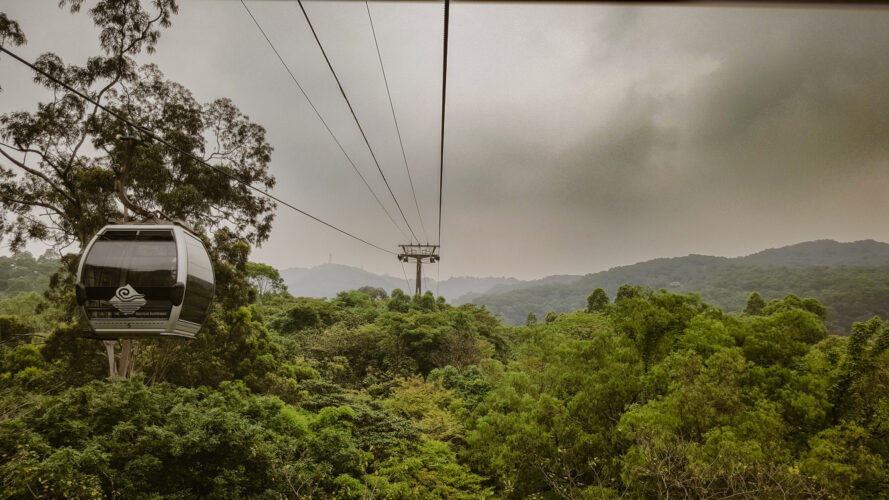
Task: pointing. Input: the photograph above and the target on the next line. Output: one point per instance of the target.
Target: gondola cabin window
(125, 269)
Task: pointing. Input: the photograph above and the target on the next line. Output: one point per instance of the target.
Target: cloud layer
(579, 136)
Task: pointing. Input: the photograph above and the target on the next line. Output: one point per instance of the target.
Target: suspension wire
(444, 88)
(397, 129)
(437, 278)
(324, 122)
(189, 154)
(352, 110)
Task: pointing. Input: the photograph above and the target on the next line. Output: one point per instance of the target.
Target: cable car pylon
(419, 254)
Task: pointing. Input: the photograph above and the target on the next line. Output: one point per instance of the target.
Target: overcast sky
(578, 137)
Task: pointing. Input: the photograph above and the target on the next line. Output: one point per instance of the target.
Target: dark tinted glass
(162, 235)
(199, 285)
(144, 260)
(137, 235)
(198, 294)
(123, 235)
(134, 263)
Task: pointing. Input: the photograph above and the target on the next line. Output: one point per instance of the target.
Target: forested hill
(851, 279)
(329, 279)
(868, 253)
(24, 273)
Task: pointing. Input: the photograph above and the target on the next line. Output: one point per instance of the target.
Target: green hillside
(867, 253)
(854, 291)
(24, 273)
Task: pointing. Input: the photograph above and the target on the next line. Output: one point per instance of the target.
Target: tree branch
(44, 156)
(91, 116)
(39, 174)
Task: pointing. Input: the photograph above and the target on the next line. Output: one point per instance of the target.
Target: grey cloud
(579, 136)
(770, 111)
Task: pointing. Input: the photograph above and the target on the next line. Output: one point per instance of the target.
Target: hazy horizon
(533, 278)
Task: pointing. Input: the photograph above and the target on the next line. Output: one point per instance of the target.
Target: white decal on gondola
(127, 300)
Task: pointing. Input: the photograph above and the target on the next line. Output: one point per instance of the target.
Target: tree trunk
(124, 365)
(112, 361)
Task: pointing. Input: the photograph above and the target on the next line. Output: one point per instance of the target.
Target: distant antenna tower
(419, 253)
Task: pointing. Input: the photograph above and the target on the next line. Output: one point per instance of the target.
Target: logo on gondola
(127, 300)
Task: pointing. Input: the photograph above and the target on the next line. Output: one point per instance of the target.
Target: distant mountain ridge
(852, 279)
(867, 253)
(516, 284)
(329, 279)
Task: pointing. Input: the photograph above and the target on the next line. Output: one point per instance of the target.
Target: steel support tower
(419, 253)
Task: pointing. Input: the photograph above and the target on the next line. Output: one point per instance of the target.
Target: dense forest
(851, 280)
(375, 396)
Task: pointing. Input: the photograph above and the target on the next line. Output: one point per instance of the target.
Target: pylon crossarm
(419, 253)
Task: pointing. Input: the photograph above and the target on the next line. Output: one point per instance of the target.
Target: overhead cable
(352, 110)
(397, 129)
(163, 141)
(318, 114)
(444, 93)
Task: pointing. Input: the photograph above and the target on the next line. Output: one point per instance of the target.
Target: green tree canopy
(374, 293)
(400, 301)
(597, 301)
(265, 278)
(755, 304)
(627, 291)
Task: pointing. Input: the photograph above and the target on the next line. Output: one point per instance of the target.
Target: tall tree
(374, 293)
(627, 291)
(597, 301)
(265, 278)
(551, 316)
(67, 168)
(755, 304)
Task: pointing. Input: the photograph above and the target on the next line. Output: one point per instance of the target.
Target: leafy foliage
(10, 32)
(597, 301)
(676, 398)
(265, 278)
(659, 394)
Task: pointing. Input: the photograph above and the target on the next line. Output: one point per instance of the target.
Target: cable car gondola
(137, 281)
